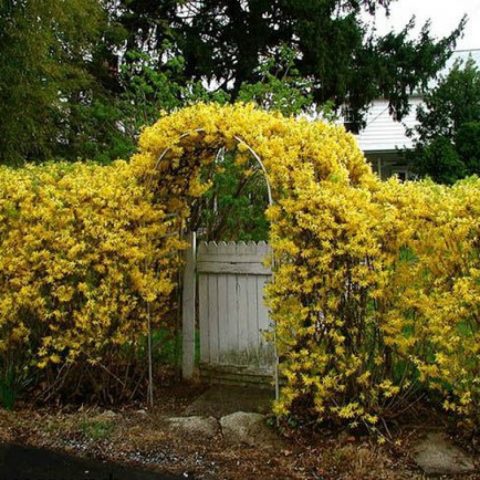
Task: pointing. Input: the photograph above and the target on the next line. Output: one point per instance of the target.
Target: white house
(383, 138)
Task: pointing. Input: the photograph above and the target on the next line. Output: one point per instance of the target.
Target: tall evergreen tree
(79, 77)
(225, 41)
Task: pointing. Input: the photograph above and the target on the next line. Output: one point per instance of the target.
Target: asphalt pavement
(23, 463)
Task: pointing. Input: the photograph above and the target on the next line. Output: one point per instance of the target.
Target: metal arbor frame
(187, 362)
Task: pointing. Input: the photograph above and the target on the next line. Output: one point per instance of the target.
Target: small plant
(8, 391)
(14, 379)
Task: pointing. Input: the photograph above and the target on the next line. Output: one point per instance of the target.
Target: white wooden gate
(232, 316)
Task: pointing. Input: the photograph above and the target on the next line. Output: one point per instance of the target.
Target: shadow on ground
(219, 401)
(21, 463)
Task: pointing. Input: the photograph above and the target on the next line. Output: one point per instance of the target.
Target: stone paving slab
(220, 400)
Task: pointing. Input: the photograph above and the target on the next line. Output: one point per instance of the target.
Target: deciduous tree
(448, 134)
(46, 49)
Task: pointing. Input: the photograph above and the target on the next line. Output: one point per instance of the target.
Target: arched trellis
(187, 345)
(306, 164)
(239, 141)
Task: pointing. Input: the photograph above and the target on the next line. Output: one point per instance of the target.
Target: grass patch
(97, 429)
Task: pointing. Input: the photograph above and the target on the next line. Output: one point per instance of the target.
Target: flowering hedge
(385, 303)
(80, 247)
(376, 287)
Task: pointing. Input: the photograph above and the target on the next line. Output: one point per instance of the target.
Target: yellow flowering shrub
(432, 300)
(385, 302)
(376, 285)
(82, 249)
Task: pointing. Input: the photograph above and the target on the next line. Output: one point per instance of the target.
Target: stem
(150, 362)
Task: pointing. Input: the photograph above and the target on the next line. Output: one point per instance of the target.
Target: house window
(404, 174)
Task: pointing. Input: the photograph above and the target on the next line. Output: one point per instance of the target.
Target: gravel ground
(136, 436)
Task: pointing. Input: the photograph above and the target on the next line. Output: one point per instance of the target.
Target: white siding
(382, 133)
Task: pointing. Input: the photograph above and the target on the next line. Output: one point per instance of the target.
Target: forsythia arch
(292, 153)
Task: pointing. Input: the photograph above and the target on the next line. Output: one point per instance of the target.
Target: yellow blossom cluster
(430, 298)
(385, 303)
(82, 249)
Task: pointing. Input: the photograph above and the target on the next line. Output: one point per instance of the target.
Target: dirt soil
(135, 435)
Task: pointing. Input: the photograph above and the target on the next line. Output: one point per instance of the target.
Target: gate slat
(242, 295)
(213, 323)
(252, 311)
(203, 312)
(223, 311)
(232, 323)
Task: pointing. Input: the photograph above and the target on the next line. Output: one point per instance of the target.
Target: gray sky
(445, 15)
